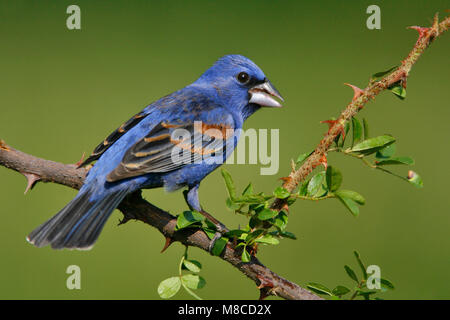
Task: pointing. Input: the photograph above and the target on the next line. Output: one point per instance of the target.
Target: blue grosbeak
(140, 153)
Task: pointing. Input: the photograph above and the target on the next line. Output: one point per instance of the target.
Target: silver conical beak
(264, 94)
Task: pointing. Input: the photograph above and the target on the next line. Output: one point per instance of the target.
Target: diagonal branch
(360, 99)
(135, 207)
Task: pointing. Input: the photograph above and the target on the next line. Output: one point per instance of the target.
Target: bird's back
(187, 105)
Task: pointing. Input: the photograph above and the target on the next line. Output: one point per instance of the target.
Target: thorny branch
(360, 99)
(135, 207)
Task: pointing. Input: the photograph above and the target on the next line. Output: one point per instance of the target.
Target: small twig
(348, 152)
(328, 196)
(180, 274)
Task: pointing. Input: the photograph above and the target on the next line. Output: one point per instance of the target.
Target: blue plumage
(140, 153)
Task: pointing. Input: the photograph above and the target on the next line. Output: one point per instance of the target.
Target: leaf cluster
(360, 289)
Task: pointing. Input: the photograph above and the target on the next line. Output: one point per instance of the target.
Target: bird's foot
(220, 231)
(219, 228)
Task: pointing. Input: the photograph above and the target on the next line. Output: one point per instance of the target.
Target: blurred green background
(63, 91)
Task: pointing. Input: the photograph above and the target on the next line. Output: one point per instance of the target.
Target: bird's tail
(78, 224)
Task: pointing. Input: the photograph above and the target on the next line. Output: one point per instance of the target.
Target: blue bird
(144, 152)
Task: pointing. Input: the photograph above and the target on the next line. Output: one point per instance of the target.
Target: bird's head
(241, 84)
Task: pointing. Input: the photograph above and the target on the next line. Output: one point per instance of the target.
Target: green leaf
(254, 235)
(315, 183)
(302, 157)
(281, 193)
(351, 273)
(379, 75)
(415, 179)
(192, 265)
(366, 128)
(350, 205)
(287, 234)
(396, 160)
(245, 257)
(386, 284)
(318, 288)
(252, 199)
(188, 218)
(193, 281)
(373, 144)
(340, 291)
(303, 190)
(210, 232)
(268, 239)
(355, 196)
(256, 207)
(240, 244)
(357, 131)
(229, 183)
(365, 294)
(232, 205)
(399, 91)
(386, 152)
(248, 190)
(334, 178)
(235, 233)
(281, 220)
(267, 214)
(290, 201)
(209, 225)
(254, 222)
(219, 245)
(169, 287)
(346, 129)
(361, 264)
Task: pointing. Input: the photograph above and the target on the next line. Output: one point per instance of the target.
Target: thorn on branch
(435, 26)
(400, 77)
(357, 92)
(264, 293)
(253, 250)
(332, 123)
(285, 207)
(124, 220)
(404, 82)
(293, 166)
(323, 160)
(265, 287)
(264, 282)
(78, 164)
(32, 179)
(423, 32)
(286, 179)
(168, 242)
(3, 145)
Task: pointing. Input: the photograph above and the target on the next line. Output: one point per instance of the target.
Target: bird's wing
(113, 137)
(170, 146)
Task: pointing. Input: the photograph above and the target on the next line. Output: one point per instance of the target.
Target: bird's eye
(243, 77)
